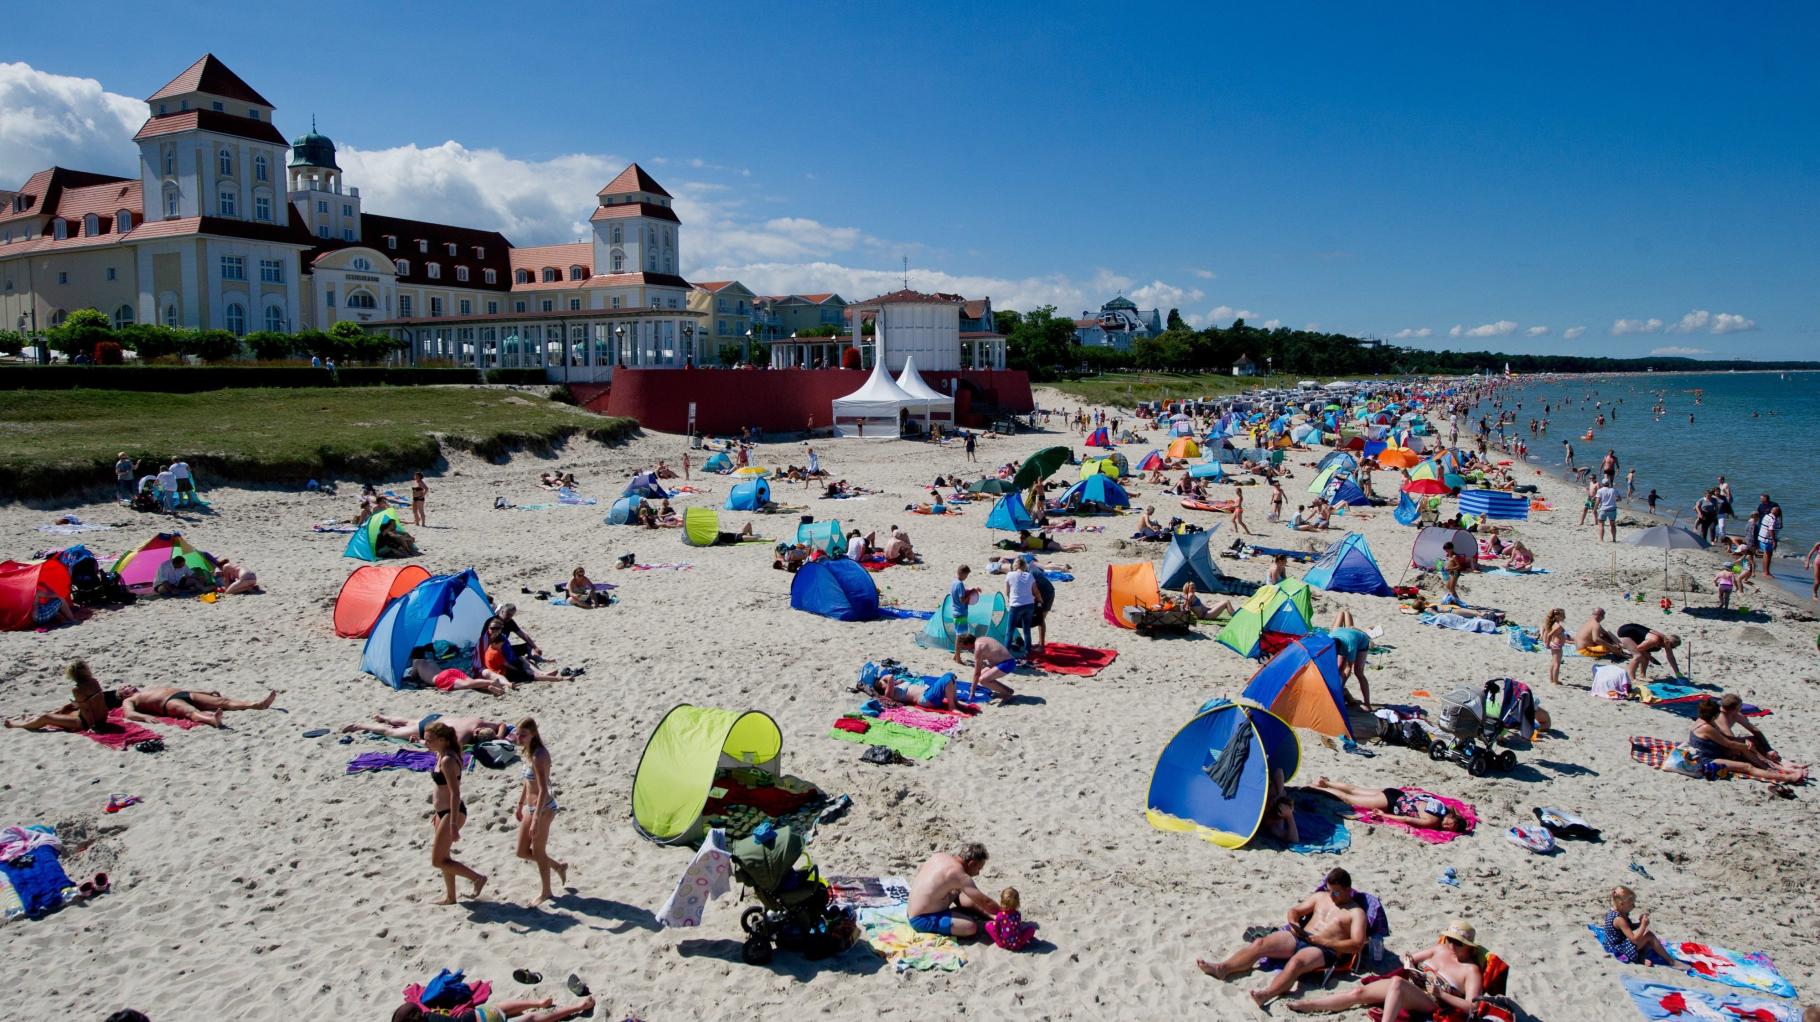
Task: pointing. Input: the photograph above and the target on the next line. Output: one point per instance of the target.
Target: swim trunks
(1329, 957)
(934, 922)
(1005, 666)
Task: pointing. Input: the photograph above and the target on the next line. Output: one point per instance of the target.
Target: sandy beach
(258, 880)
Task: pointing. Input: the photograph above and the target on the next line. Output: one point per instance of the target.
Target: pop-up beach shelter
(1322, 478)
(1301, 686)
(1495, 505)
(1208, 469)
(751, 495)
(1345, 462)
(1098, 489)
(450, 608)
(366, 592)
(139, 568)
(1274, 614)
(364, 543)
(1348, 567)
(644, 484)
(676, 772)
(1431, 543)
(1130, 587)
(835, 588)
(1342, 492)
(624, 511)
(19, 582)
(824, 536)
(1099, 438)
(719, 461)
(701, 526)
(1190, 559)
(1008, 515)
(1107, 466)
(1184, 447)
(1408, 509)
(1213, 778)
(986, 616)
(1153, 460)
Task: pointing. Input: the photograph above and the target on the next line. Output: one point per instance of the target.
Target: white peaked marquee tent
(933, 405)
(874, 409)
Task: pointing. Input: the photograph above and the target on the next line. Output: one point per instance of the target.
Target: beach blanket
(1294, 555)
(1751, 971)
(332, 527)
(1659, 1001)
(73, 527)
(1063, 658)
(420, 760)
(1058, 576)
(913, 743)
(867, 892)
(1320, 829)
(1651, 752)
(665, 566)
(127, 733)
(1077, 528)
(37, 880)
(1513, 571)
(887, 931)
(1460, 624)
(1433, 837)
(875, 563)
(924, 720)
(571, 497)
(1669, 692)
(899, 612)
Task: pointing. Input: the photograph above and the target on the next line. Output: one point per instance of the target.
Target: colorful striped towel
(1433, 837)
(924, 720)
(1660, 1002)
(887, 931)
(1751, 970)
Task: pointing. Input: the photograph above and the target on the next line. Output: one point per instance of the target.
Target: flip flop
(1781, 791)
(527, 977)
(316, 732)
(576, 986)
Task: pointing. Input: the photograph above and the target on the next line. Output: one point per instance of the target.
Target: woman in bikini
(893, 690)
(185, 704)
(87, 709)
(1709, 743)
(468, 730)
(420, 492)
(448, 811)
(236, 579)
(536, 809)
(1238, 513)
(1554, 637)
(581, 591)
(1443, 982)
(1395, 804)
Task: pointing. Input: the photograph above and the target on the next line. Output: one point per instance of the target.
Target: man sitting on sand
(1323, 928)
(991, 661)
(174, 577)
(1592, 639)
(943, 897)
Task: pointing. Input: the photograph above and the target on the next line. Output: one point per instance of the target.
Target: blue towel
(38, 878)
(1321, 830)
(1059, 576)
(445, 991)
(899, 612)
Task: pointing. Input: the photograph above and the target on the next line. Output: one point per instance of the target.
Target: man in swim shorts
(991, 661)
(1323, 927)
(943, 896)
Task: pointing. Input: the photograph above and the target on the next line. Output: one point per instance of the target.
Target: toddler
(1628, 941)
(1725, 582)
(1008, 929)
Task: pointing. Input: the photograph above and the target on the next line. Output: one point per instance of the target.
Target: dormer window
(480, 252)
(403, 266)
(461, 274)
(91, 225)
(423, 246)
(125, 219)
(521, 276)
(549, 272)
(391, 241)
(252, 114)
(577, 273)
(491, 277)
(433, 271)
(61, 228)
(163, 109)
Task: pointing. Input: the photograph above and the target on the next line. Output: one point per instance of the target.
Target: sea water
(1760, 430)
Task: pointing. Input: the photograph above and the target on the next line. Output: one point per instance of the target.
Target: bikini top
(437, 779)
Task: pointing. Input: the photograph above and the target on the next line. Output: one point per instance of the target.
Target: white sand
(259, 882)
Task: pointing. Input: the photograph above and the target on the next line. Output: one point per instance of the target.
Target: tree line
(88, 334)
(1044, 344)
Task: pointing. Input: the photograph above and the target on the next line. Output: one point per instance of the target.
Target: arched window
(170, 203)
(58, 317)
(461, 274)
(403, 266)
(550, 274)
(274, 319)
(170, 314)
(433, 271)
(361, 300)
(577, 273)
(616, 236)
(124, 218)
(361, 264)
(123, 316)
(61, 228)
(521, 276)
(227, 163)
(91, 225)
(260, 170)
(619, 261)
(236, 319)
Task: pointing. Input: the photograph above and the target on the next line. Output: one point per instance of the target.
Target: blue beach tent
(1345, 491)
(838, 589)
(718, 462)
(987, 616)
(364, 542)
(1348, 567)
(1099, 489)
(624, 511)
(751, 495)
(452, 608)
(1213, 777)
(1209, 469)
(644, 484)
(1408, 510)
(1344, 460)
(1190, 559)
(824, 536)
(1008, 515)
(1301, 686)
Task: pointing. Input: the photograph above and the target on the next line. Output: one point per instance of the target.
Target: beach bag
(443, 651)
(1679, 762)
(496, 754)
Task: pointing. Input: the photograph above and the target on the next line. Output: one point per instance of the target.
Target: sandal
(1780, 790)
(576, 986)
(527, 977)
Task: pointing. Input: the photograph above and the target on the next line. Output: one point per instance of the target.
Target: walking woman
(1554, 639)
(449, 811)
(420, 492)
(1238, 513)
(536, 809)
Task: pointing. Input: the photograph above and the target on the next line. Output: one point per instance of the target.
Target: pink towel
(935, 723)
(477, 996)
(1433, 837)
(129, 733)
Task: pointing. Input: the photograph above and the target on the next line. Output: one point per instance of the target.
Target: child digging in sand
(1008, 929)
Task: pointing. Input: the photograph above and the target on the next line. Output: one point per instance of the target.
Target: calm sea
(1759, 430)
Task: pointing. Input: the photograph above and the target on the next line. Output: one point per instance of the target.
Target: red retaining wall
(775, 400)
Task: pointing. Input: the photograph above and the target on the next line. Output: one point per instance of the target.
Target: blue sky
(1647, 173)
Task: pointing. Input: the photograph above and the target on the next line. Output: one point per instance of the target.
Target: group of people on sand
(91, 708)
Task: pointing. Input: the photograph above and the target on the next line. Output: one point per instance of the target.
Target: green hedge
(194, 379)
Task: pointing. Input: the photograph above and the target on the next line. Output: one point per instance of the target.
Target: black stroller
(1473, 720)
(793, 911)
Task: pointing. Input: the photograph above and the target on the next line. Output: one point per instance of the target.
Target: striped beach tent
(1495, 505)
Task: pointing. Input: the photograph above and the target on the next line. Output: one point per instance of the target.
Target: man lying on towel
(1592, 639)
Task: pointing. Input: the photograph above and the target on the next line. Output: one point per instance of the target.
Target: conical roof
(913, 384)
(880, 387)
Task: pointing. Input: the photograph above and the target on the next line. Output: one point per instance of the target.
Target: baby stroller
(90, 584)
(793, 910)
(1472, 721)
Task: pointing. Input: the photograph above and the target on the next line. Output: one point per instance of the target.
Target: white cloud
(1412, 333)
(55, 120)
(1695, 320)
(1158, 295)
(1700, 320)
(1728, 323)
(1204, 274)
(1502, 328)
(539, 202)
(1676, 349)
(1271, 324)
(1456, 331)
(1536, 331)
(1573, 332)
(1635, 326)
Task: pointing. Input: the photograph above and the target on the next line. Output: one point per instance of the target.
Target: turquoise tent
(1206, 470)
(624, 511)
(986, 616)
(1008, 515)
(364, 543)
(1213, 778)
(449, 608)
(824, 536)
(718, 462)
(751, 495)
(1348, 567)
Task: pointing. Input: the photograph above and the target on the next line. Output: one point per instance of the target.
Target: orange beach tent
(1128, 587)
(366, 592)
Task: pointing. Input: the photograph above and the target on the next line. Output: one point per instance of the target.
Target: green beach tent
(1284, 609)
(701, 526)
(677, 769)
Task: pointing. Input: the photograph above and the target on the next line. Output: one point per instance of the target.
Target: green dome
(313, 150)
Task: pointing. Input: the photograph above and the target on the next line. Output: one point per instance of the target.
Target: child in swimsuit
(1628, 941)
(1008, 929)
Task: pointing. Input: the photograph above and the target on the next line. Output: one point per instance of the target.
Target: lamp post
(619, 344)
(745, 351)
(689, 344)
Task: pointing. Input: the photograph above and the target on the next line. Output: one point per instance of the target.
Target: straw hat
(1462, 931)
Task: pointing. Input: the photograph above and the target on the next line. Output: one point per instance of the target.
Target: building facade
(783, 315)
(727, 310)
(1118, 324)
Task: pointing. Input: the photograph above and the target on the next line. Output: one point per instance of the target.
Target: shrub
(108, 353)
(849, 358)
(211, 345)
(80, 332)
(12, 342)
(271, 346)
(149, 340)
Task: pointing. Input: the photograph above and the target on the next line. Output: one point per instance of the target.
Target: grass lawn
(54, 440)
(1126, 389)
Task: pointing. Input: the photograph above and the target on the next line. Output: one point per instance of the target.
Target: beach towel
(924, 720)
(666, 566)
(708, 876)
(419, 760)
(1459, 623)
(127, 733)
(1320, 829)
(38, 880)
(11, 906)
(899, 612)
(1058, 576)
(72, 528)
(477, 994)
(1433, 837)
(913, 743)
(1751, 971)
(571, 497)
(867, 892)
(1609, 681)
(332, 527)
(1659, 1001)
(875, 563)
(1063, 658)
(1294, 555)
(1654, 692)
(18, 841)
(887, 931)
(1512, 571)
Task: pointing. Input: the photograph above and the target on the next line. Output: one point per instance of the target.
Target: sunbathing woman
(236, 579)
(468, 730)
(519, 1011)
(1200, 609)
(149, 704)
(1395, 804)
(895, 690)
(448, 811)
(1443, 982)
(1709, 743)
(581, 591)
(87, 709)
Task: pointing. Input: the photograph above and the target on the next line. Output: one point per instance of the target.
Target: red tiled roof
(103, 200)
(209, 75)
(621, 210)
(907, 296)
(1086, 324)
(211, 120)
(634, 179)
(44, 191)
(974, 309)
(711, 286)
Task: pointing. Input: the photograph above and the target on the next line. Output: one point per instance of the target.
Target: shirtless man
(1323, 928)
(1592, 634)
(943, 897)
(1642, 642)
(468, 730)
(149, 704)
(991, 661)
